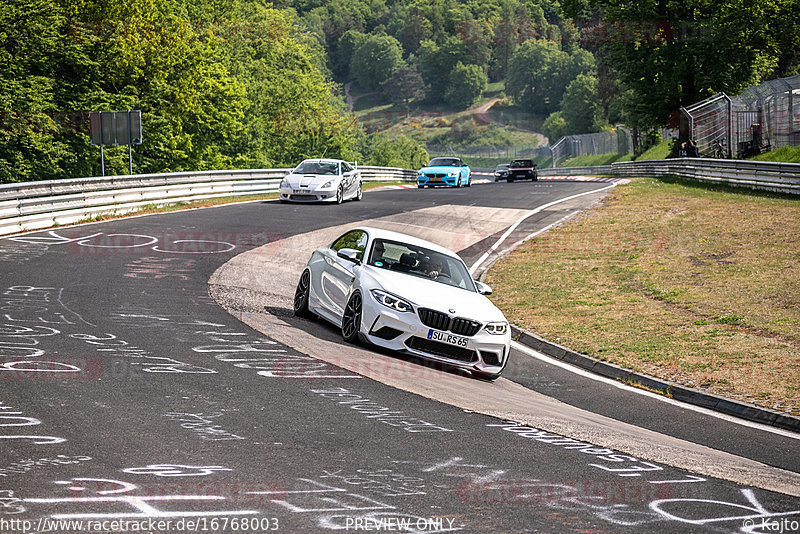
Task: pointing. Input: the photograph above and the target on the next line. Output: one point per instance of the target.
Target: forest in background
(246, 84)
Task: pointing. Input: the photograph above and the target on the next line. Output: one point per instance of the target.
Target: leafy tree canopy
(580, 107)
(375, 59)
(467, 83)
(220, 85)
(404, 86)
(539, 72)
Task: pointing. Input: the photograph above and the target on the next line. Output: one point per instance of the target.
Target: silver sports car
(408, 295)
(321, 180)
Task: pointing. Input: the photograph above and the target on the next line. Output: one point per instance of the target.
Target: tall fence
(763, 117)
(617, 141)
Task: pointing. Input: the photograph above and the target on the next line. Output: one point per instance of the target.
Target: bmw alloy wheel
(351, 319)
(301, 295)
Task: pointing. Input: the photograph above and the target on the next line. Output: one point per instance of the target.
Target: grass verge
(591, 161)
(658, 151)
(695, 284)
(786, 154)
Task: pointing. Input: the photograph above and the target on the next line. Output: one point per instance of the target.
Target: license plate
(301, 191)
(450, 339)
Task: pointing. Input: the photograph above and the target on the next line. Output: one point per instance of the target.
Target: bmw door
(338, 274)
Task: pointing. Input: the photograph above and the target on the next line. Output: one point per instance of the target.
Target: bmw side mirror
(349, 254)
(483, 289)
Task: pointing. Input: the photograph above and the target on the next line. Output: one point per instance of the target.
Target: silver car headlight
(391, 301)
(499, 328)
(327, 184)
(284, 184)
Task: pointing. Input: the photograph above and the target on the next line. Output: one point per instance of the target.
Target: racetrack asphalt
(177, 409)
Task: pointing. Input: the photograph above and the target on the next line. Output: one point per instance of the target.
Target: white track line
(521, 219)
(617, 384)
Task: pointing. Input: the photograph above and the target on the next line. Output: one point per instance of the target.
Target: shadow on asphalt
(323, 330)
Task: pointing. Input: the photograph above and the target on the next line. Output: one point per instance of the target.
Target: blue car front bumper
(432, 179)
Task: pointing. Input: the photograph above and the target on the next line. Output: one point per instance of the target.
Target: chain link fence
(617, 141)
(761, 118)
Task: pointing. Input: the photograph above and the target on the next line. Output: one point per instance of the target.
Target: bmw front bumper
(436, 179)
(405, 332)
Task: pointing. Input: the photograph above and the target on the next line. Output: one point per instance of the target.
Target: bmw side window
(361, 245)
(356, 240)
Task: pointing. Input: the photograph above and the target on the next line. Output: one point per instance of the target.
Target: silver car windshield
(420, 262)
(445, 162)
(317, 167)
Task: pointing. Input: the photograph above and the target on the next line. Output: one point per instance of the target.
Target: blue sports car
(444, 171)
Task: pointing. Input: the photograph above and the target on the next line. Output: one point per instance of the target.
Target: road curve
(128, 394)
(265, 302)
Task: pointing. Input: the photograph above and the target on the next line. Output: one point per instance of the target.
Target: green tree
(39, 66)
(343, 53)
(540, 71)
(404, 86)
(436, 62)
(580, 107)
(411, 26)
(292, 112)
(400, 152)
(221, 84)
(698, 48)
(375, 60)
(466, 85)
(554, 127)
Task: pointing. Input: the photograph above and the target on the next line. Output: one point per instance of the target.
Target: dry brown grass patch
(692, 284)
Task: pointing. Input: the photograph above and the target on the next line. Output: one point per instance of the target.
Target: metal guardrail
(576, 171)
(36, 205)
(766, 175)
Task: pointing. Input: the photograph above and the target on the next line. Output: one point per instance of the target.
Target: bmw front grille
(442, 321)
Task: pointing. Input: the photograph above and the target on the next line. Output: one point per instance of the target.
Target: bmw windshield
(420, 262)
(445, 162)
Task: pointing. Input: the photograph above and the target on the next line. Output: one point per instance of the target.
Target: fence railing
(766, 175)
(36, 205)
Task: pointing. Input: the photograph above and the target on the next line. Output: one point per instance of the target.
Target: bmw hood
(440, 170)
(308, 180)
(424, 293)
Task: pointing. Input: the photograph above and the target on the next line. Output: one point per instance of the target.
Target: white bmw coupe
(321, 180)
(405, 294)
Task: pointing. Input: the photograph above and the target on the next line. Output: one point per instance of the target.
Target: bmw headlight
(498, 328)
(391, 301)
(452, 174)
